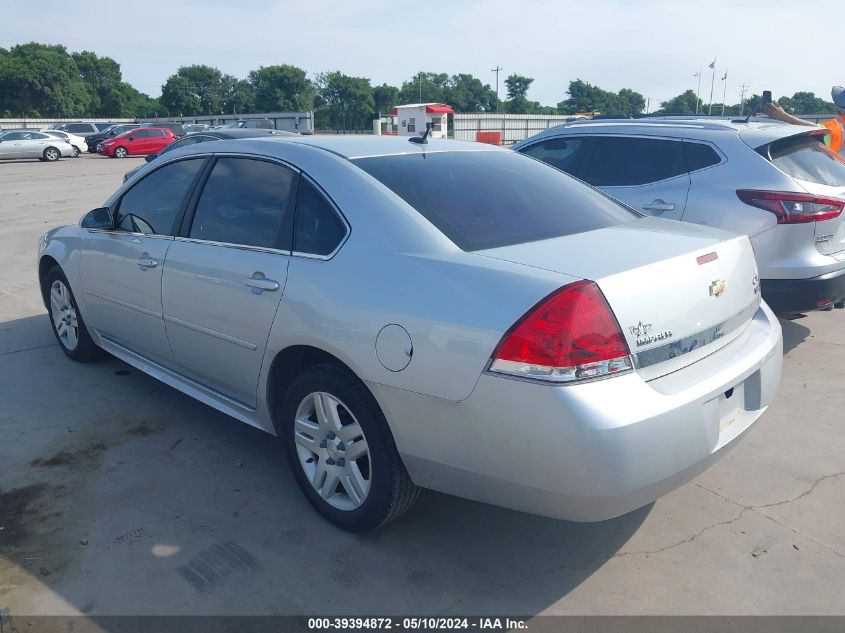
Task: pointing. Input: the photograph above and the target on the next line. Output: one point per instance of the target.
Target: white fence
(514, 127)
(290, 121)
(6, 124)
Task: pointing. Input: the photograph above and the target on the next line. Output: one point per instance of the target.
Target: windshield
(806, 157)
(486, 199)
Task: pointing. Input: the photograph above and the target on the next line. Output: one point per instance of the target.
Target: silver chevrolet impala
(443, 315)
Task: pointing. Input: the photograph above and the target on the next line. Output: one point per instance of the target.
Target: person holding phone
(836, 139)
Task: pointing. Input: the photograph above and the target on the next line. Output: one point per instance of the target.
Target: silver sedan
(23, 144)
(445, 315)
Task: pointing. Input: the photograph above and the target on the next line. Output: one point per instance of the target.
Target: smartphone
(767, 96)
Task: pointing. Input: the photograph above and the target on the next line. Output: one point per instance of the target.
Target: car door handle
(659, 206)
(259, 283)
(145, 261)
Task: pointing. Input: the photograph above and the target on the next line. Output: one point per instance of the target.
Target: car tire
(120, 152)
(67, 323)
(75, 152)
(344, 460)
(51, 154)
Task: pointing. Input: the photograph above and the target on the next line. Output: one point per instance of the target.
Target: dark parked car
(174, 127)
(209, 135)
(110, 132)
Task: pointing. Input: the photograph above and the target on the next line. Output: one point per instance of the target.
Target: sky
(652, 47)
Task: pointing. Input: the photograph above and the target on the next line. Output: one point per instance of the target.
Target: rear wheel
(51, 154)
(68, 326)
(120, 152)
(341, 450)
(75, 152)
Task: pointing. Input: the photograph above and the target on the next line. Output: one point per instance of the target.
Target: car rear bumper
(590, 451)
(802, 295)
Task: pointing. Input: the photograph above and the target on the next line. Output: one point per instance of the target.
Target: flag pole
(724, 92)
(712, 83)
(698, 94)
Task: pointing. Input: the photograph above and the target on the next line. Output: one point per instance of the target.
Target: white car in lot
(446, 315)
(77, 142)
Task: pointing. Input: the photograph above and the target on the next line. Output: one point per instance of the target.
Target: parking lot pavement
(119, 495)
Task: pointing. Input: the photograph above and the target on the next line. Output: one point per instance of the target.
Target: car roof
(245, 133)
(753, 132)
(367, 145)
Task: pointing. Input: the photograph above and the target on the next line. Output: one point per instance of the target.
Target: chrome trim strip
(243, 247)
(673, 349)
(213, 333)
(124, 304)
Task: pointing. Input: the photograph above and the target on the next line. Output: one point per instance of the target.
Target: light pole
(420, 87)
(496, 70)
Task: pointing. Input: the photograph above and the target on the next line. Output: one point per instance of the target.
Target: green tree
(103, 78)
(384, 98)
(684, 103)
(343, 102)
(281, 88)
(434, 88)
(42, 80)
(517, 89)
(466, 93)
(196, 89)
(237, 95)
(628, 102)
(806, 103)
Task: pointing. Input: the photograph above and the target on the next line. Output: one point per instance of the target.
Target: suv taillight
(793, 208)
(570, 335)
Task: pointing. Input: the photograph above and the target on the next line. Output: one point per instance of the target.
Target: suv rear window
(807, 158)
(486, 199)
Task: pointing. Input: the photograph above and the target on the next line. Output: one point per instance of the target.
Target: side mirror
(131, 138)
(98, 219)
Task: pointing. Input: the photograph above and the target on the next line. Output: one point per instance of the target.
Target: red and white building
(411, 119)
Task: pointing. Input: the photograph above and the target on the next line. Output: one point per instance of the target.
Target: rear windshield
(487, 199)
(807, 158)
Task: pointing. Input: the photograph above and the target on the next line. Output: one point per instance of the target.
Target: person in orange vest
(836, 139)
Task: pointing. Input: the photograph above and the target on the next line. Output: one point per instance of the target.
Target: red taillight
(793, 208)
(570, 335)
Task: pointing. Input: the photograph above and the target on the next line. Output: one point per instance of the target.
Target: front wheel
(341, 450)
(120, 152)
(51, 154)
(68, 326)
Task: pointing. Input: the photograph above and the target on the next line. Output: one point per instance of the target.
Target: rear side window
(154, 203)
(319, 230)
(563, 153)
(700, 156)
(485, 199)
(619, 161)
(143, 134)
(84, 128)
(807, 158)
(244, 201)
(188, 140)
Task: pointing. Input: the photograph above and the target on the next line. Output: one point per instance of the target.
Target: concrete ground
(119, 495)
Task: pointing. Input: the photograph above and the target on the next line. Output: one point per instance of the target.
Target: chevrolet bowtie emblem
(717, 288)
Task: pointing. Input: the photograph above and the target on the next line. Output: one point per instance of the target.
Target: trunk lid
(679, 291)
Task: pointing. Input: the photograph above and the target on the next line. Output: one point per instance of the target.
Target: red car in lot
(138, 142)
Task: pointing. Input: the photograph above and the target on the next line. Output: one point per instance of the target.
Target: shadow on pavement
(134, 499)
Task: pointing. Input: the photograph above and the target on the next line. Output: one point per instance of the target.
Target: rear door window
(806, 157)
(564, 153)
(627, 161)
(486, 199)
(319, 230)
(700, 155)
(245, 201)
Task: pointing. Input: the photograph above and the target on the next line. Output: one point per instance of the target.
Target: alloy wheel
(64, 315)
(51, 154)
(332, 450)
